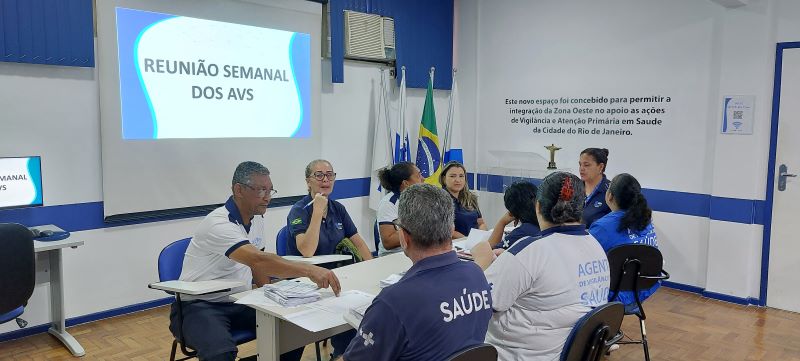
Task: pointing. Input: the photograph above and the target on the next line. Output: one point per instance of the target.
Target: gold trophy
(552, 148)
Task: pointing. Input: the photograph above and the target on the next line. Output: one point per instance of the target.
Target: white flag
(453, 146)
(401, 145)
(381, 147)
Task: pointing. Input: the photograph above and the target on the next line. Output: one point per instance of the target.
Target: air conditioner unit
(368, 37)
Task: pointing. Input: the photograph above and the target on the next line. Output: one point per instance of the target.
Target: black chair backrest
(623, 262)
(17, 266)
(587, 340)
(479, 352)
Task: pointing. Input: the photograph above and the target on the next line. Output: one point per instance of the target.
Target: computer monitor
(20, 182)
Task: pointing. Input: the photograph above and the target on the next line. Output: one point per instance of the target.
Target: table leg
(267, 337)
(58, 327)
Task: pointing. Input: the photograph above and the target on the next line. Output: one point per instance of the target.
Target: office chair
(635, 267)
(479, 352)
(593, 333)
(282, 242)
(376, 233)
(170, 264)
(18, 270)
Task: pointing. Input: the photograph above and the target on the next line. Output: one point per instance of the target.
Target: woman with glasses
(542, 285)
(395, 179)
(321, 226)
(468, 216)
(317, 225)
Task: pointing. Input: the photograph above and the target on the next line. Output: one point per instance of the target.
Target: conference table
(276, 335)
(54, 269)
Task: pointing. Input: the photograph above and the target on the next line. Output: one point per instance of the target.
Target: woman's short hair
(519, 199)
(561, 198)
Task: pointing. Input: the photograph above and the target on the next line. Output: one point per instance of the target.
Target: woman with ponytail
(542, 285)
(394, 179)
(630, 221)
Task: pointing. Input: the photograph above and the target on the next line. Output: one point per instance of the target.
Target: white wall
(53, 112)
(695, 51)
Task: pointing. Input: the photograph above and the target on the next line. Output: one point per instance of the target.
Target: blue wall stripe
(87, 216)
(747, 211)
(13, 335)
(713, 295)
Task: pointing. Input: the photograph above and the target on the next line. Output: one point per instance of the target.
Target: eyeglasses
(398, 226)
(320, 176)
(262, 192)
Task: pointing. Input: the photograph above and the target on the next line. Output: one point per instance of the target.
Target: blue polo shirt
(465, 220)
(525, 229)
(336, 226)
(595, 205)
(606, 230)
(441, 306)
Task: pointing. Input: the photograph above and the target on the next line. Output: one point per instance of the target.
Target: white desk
(52, 250)
(330, 258)
(275, 335)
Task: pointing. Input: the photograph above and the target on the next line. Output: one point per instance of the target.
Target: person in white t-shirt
(228, 246)
(542, 285)
(395, 179)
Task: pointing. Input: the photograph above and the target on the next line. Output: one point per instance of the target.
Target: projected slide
(20, 182)
(182, 77)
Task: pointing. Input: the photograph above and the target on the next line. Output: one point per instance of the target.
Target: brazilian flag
(429, 157)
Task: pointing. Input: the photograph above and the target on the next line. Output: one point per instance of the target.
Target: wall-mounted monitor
(20, 182)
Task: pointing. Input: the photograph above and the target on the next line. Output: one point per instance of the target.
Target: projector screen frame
(285, 164)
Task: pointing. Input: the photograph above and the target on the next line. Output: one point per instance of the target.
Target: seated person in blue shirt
(395, 179)
(227, 246)
(519, 199)
(630, 221)
(441, 305)
(316, 224)
(467, 214)
(592, 166)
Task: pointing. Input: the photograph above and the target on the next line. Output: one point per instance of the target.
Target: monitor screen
(20, 182)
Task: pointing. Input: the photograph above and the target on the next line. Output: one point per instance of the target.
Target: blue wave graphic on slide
(300, 59)
(138, 117)
(35, 172)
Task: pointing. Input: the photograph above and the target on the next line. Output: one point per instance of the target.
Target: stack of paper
(392, 279)
(290, 293)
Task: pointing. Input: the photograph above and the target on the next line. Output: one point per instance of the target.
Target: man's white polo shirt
(220, 233)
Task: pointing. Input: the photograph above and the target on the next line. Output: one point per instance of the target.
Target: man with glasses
(441, 305)
(228, 245)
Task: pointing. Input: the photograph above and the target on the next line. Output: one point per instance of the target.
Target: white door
(783, 287)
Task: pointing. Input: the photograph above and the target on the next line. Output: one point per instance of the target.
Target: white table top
(363, 276)
(330, 258)
(197, 287)
(49, 246)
